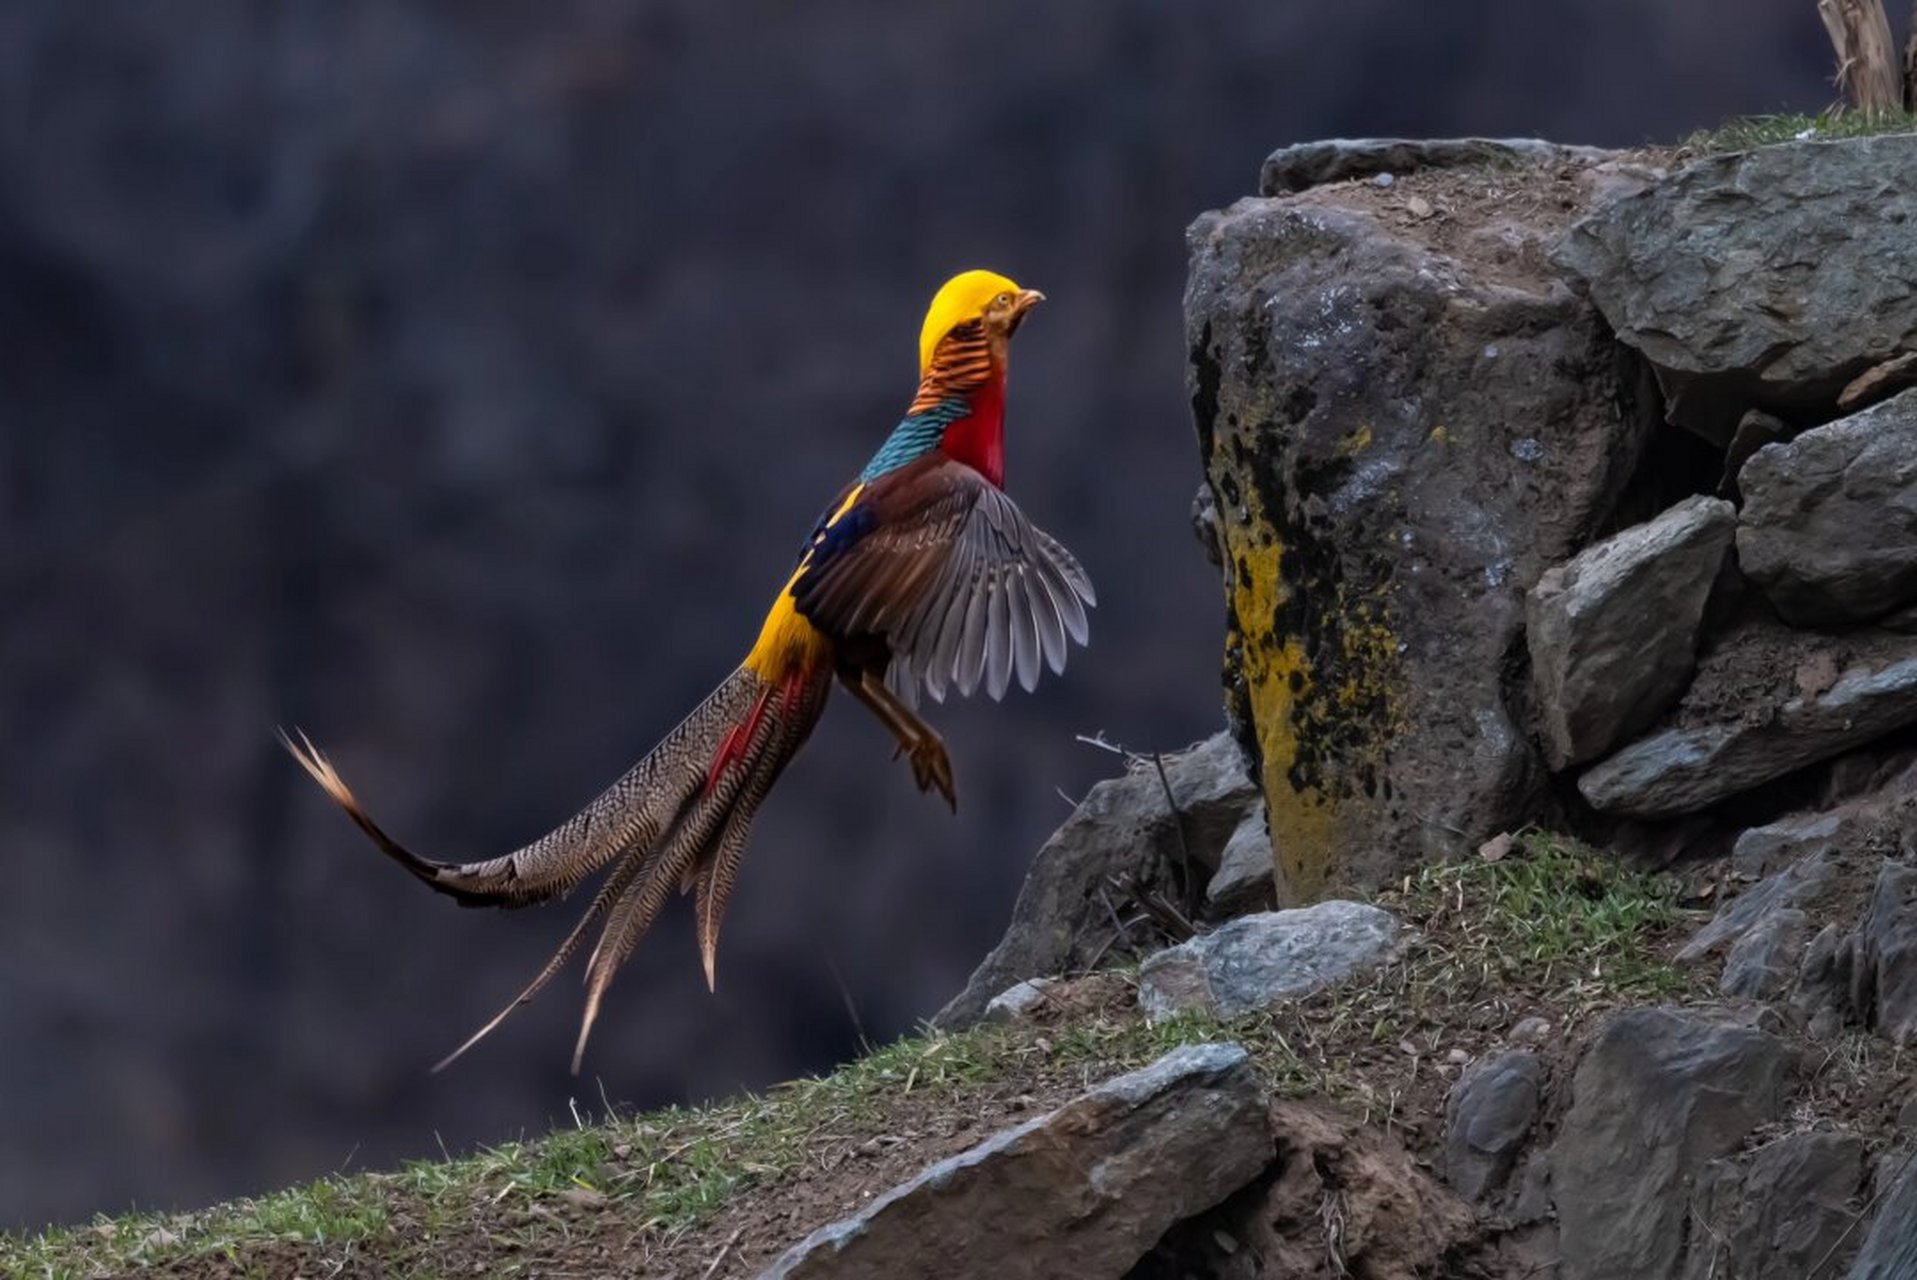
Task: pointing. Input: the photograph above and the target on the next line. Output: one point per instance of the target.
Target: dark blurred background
(455, 378)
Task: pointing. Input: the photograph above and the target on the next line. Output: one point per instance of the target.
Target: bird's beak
(1024, 302)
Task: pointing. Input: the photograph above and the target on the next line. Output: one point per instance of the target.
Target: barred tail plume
(678, 818)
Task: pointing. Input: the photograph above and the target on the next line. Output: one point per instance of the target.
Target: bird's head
(985, 299)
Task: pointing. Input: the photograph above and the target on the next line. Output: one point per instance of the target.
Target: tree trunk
(1910, 62)
(1867, 67)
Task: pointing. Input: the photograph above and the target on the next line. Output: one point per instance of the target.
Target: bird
(921, 575)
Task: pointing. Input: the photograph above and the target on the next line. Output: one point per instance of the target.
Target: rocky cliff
(1564, 487)
(1556, 484)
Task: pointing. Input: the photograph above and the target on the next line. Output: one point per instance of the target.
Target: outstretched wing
(944, 567)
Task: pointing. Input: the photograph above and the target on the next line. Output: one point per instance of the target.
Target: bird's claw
(932, 767)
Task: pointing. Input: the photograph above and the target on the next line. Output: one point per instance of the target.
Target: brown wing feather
(944, 567)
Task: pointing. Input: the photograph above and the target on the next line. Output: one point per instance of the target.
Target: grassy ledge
(1553, 930)
(1760, 131)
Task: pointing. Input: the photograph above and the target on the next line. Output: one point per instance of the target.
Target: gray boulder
(1487, 1117)
(1244, 881)
(1889, 1251)
(1403, 428)
(1884, 971)
(1255, 961)
(1761, 851)
(1082, 1191)
(1822, 996)
(1787, 889)
(1660, 1093)
(1748, 719)
(1754, 430)
(1123, 828)
(1764, 279)
(1613, 631)
(1762, 963)
(1784, 1217)
(1829, 526)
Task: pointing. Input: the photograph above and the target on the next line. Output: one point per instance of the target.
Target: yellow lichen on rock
(1276, 673)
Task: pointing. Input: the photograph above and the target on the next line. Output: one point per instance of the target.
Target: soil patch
(1502, 219)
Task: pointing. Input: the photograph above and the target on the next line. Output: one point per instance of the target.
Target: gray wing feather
(966, 592)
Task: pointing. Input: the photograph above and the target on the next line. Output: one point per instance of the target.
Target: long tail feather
(713, 875)
(615, 885)
(719, 815)
(680, 817)
(632, 812)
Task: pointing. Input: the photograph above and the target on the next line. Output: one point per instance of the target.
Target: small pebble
(1532, 1030)
(1384, 180)
(1457, 1057)
(1418, 207)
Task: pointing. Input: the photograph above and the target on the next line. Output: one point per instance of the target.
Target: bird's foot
(931, 767)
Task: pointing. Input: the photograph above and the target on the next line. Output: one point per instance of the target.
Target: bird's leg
(919, 741)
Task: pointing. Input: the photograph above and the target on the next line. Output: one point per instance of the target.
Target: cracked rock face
(1660, 1093)
(1083, 1191)
(1793, 887)
(1884, 974)
(1762, 963)
(1889, 1251)
(1783, 1217)
(1765, 279)
(1829, 526)
(1401, 433)
(1613, 632)
(1766, 702)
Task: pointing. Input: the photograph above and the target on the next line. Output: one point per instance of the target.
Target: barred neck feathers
(959, 409)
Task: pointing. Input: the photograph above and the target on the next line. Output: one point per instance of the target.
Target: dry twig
(721, 1256)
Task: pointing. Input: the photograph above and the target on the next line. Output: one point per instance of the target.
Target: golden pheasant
(921, 572)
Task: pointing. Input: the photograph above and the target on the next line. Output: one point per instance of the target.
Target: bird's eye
(1004, 300)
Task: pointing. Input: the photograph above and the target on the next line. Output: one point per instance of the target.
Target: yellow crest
(963, 297)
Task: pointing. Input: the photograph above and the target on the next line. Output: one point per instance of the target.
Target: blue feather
(915, 436)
